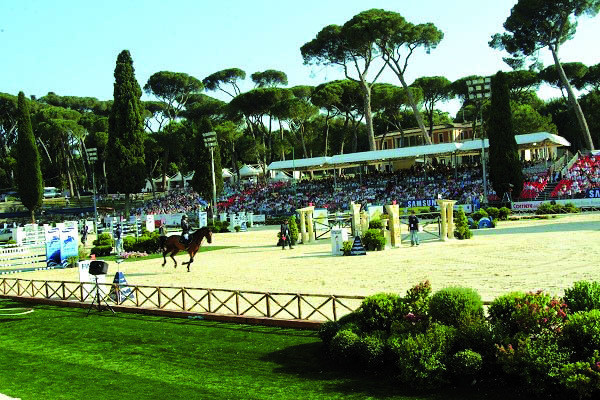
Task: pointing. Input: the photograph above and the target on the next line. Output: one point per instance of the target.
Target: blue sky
(70, 47)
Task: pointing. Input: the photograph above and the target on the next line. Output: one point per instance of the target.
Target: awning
(248, 170)
(303, 163)
(392, 154)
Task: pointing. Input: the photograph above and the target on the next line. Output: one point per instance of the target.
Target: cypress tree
(505, 165)
(125, 148)
(29, 174)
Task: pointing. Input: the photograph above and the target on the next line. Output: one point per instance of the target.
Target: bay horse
(173, 245)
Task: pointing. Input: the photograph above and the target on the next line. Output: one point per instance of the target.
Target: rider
(185, 230)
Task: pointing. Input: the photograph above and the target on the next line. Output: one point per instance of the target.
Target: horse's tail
(162, 240)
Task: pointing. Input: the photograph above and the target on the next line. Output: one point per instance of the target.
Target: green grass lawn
(59, 353)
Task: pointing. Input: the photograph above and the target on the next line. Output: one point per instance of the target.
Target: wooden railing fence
(276, 305)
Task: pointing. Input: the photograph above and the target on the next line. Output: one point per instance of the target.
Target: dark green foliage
(370, 350)
(344, 345)
(582, 377)
(520, 314)
(293, 229)
(375, 224)
(461, 224)
(28, 172)
(101, 251)
(421, 359)
(583, 296)
(328, 330)
(379, 311)
(125, 149)
(503, 213)
(493, 212)
(581, 333)
(465, 364)
(535, 360)
(456, 306)
(373, 239)
(477, 215)
(103, 239)
(149, 243)
(505, 165)
(548, 208)
(347, 247)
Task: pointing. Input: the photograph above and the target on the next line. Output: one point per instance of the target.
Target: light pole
(210, 141)
(480, 89)
(92, 154)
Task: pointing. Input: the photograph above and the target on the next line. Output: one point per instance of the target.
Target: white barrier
(533, 205)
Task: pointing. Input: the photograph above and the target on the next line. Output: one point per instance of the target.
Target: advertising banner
(52, 246)
(150, 223)
(68, 244)
(203, 218)
(259, 219)
(421, 203)
(593, 193)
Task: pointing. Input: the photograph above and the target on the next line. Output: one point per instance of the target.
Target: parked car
(5, 235)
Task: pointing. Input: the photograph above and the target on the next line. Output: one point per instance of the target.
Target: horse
(172, 244)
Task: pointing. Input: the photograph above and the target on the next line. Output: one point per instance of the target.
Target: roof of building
(538, 139)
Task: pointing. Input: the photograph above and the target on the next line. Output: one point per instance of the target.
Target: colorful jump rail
(252, 304)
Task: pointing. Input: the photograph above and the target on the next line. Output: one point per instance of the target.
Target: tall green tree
(396, 40)
(125, 158)
(534, 25)
(220, 79)
(29, 175)
(269, 78)
(505, 165)
(435, 89)
(352, 47)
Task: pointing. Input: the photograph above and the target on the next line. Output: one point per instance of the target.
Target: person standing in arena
(286, 235)
(185, 230)
(118, 240)
(413, 226)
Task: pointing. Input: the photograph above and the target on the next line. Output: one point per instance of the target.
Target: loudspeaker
(98, 268)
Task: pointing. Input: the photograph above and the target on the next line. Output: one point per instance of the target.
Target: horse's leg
(173, 254)
(165, 257)
(192, 254)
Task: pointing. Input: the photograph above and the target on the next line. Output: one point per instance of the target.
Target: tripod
(98, 299)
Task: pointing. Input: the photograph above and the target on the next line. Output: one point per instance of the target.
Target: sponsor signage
(593, 193)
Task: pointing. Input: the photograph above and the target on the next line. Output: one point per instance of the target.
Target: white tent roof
(390, 154)
(303, 163)
(281, 176)
(248, 170)
(537, 139)
(226, 173)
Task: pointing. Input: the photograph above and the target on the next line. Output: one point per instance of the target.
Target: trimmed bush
(378, 312)
(493, 212)
(466, 364)
(347, 247)
(582, 377)
(421, 359)
(344, 345)
(370, 350)
(503, 213)
(524, 314)
(293, 229)
(103, 239)
(583, 296)
(581, 333)
(101, 251)
(237, 228)
(456, 306)
(479, 214)
(328, 330)
(376, 224)
(461, 225)
(373, 239)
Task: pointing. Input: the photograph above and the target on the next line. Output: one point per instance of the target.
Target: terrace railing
(275, 305)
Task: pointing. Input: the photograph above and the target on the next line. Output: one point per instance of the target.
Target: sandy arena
(524, 255)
